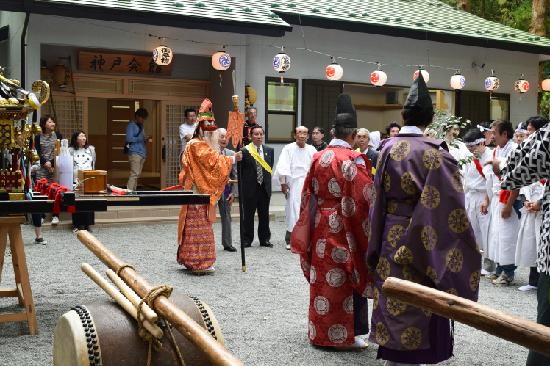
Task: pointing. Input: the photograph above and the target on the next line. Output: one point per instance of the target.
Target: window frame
(287, 113)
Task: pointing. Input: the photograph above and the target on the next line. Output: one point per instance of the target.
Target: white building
(394, 33)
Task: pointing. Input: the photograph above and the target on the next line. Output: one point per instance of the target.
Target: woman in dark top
(44, 145)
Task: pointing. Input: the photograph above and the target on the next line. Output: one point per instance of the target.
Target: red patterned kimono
(332, 242)
(208, 171)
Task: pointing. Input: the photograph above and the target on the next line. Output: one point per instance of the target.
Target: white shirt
(338, 142)
(260, 150)
(411, 129)
(185, 129)
(294, 162)
(474, 180)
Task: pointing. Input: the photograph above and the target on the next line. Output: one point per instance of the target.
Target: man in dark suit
(227, 198)
(362, 140)
(256, 172)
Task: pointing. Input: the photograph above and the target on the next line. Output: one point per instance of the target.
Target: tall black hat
(345, 115)
(419, 96)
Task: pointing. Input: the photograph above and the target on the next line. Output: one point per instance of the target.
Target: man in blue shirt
(136, 153)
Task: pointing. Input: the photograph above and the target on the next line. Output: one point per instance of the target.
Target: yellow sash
(254, 152)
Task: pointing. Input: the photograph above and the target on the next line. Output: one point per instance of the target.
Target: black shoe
(230, 249)
(247, 245)
(266, 244)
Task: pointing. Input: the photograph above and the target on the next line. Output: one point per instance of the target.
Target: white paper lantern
(521, 86)
(162, 55)
(545, 85)
(425, 74)
(221, 60)
(334, 71)
(492, 83)
(281, 62)
(458, 81)
(378, 78)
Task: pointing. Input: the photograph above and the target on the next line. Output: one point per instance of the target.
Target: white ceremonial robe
(476, 186)
(292, 169)
(529, 232)
(504, 232)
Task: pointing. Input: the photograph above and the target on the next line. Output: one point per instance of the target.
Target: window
(281, 109)
(500, 107)
(319, 98)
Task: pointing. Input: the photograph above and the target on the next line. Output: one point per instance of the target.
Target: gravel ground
(262, 313)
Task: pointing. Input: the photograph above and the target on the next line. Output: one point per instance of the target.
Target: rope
(126, 265)
(166, 291)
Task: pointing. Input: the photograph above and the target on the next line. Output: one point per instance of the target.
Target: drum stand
(12, 226)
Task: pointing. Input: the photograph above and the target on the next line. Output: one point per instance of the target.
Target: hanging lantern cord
(333, 59)
(492, 72)
(457, 72)
(379, 66)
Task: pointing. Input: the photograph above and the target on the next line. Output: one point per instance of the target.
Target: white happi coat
(503, 233)
(476, 186)
(529, 232)
(292, 168)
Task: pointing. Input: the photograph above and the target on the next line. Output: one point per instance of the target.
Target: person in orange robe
(205, 171)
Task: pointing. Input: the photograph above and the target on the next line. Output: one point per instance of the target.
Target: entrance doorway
(105, 104)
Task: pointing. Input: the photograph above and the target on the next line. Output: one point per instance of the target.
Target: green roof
(405, 18)
(418, 15)
(245, 12)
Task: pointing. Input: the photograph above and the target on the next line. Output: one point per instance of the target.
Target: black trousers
(543, 317)
(259, 201)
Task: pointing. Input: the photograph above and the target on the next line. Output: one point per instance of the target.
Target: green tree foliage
(514, 13)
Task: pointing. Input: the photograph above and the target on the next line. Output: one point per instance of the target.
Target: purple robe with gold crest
(420, 232)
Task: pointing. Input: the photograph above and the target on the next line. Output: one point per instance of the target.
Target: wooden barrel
(102, 333)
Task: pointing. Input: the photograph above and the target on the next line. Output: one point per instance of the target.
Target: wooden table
(11, 226)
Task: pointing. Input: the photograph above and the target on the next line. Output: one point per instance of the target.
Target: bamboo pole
(119, 298)
(190, 329)
(514, 329)
(132, 296)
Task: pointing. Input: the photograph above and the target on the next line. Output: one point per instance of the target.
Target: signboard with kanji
(121, 64)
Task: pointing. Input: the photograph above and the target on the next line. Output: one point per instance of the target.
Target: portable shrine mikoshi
(16, 137)
(197, 326)
(514, 329)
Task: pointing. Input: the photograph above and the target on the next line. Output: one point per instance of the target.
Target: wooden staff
(190, 329)
(119, 298)
(131, 295)
(514, 329)
(235, 99)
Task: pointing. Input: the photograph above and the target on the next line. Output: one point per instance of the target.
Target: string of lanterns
(221, 60)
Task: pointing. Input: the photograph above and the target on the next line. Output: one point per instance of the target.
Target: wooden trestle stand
(11, 225)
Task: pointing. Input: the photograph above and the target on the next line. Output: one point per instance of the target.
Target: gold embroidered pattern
(375, 298)
(454, 260)
(382, 334)
(432, 159)
(430, 197)
(395, 307)
(400, 150)
(452, 291)
(403, 256)
(408, 183)
(386, 182)
(474, 280)
(411, 338)
(430, 272)
(411, 274)
(429, 237)
(456, 180)
(395, 234)
(458, 221)
(391, 207)
(383, 268)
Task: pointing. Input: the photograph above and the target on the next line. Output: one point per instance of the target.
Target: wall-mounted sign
(121, 64)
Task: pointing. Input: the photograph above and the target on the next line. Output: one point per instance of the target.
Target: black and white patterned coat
(527, 164)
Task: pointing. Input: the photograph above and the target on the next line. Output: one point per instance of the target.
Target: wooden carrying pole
(514, 329)
(190, 329)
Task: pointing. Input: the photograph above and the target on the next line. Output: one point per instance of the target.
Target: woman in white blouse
(83, 159)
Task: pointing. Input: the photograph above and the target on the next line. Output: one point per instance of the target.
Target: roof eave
(140, 17)
(321, 22)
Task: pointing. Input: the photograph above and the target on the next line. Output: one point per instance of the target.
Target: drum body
(103, 333)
